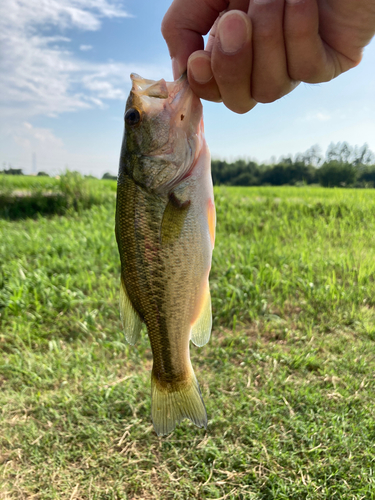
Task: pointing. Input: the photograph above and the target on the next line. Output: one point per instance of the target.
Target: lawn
(288, 376)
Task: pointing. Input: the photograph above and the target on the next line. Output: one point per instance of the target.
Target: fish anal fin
(131, 321)
(202, 325)
(174, 403)
(173, 219)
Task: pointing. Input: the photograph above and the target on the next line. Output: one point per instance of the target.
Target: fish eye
(132, 117)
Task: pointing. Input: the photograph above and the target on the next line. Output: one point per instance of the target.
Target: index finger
(186, 22)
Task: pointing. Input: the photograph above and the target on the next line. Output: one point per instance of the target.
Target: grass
(287, 377)
(26, 196)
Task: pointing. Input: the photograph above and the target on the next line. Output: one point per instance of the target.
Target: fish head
(163, 133)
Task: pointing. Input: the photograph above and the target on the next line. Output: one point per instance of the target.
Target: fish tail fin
(171, 403)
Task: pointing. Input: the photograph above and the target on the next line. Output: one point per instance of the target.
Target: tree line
(342, 165)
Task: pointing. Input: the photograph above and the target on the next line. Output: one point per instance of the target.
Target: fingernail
(176, 69)
(262, 2)
(200, 69)
(293, 1)
(232, 32)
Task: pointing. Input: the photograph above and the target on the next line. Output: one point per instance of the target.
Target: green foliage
(12, 171)
(109, 176)
(367, 176)
(239, 173)
(289, 173)
(287, 377)
(344, 166)
(33, 196)
(334, 173)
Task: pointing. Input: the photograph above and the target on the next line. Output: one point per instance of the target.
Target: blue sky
(64, 79)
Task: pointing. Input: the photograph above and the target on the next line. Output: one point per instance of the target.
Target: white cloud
(320, 116)
(39, 75)
(323, 117)
(33, 138)
(85, 48)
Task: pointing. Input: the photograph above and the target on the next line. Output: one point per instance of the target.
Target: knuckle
(208, 92)
(268, 94)
(308, 73)
(240, 107)
(166, 27)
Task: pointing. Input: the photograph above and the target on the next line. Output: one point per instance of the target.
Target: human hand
(259, 50)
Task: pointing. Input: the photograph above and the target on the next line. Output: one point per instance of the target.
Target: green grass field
(288, 376)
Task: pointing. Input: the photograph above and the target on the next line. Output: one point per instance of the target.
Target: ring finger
(270, 79)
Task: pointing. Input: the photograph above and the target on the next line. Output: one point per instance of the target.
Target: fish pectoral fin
(170, 405)
(131, 321)
(173, 219)
(201, 329)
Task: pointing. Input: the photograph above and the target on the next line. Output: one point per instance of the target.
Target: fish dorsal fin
(131, 321)
(201, 329)
(173, 219)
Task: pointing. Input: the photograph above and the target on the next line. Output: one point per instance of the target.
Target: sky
(64, 80)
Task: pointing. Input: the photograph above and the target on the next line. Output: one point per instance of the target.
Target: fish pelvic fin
(173, 402)
(131, 321)
(201, 329)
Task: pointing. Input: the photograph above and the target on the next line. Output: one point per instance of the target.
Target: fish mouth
(184, 106)
(181, 109)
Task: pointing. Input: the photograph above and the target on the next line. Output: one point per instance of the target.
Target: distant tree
(238, 173)
(335, 173)
(107, 175)
(363, 156)
(287, 172)
(340, 152)
(42, 174)
(13, 171)
(311, 157)
(245, 179)
(367, 176)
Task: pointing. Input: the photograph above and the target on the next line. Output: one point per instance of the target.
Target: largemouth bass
(165, 231)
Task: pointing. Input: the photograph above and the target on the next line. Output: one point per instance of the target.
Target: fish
(165, 231)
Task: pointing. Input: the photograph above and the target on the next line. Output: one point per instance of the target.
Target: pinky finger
(309, 59)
